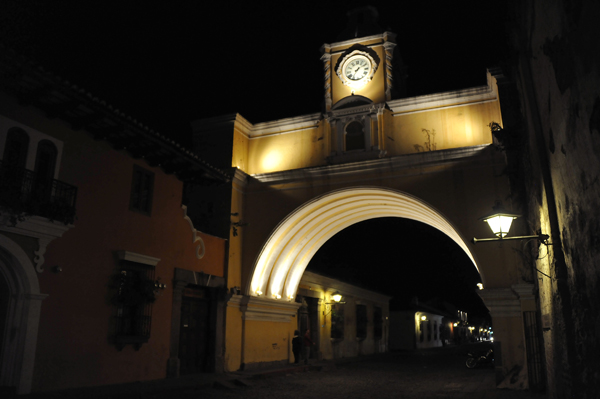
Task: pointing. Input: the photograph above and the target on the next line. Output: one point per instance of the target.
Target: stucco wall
(75, 339)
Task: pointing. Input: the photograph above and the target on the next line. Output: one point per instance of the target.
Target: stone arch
(286, 253)
(21, 315)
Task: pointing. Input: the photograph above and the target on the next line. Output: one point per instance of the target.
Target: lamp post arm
(540, 237)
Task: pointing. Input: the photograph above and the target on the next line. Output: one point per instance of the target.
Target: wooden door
(194, 333)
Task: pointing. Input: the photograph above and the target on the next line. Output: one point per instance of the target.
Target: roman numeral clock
(356, 69)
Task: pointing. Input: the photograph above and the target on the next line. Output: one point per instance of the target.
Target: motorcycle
(478, 360)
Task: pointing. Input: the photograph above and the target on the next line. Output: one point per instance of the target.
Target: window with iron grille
(135, 286)
(142, 190)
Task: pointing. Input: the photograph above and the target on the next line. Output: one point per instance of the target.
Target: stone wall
(551, 136)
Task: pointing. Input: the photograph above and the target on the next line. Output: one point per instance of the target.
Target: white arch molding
(23, 315)
(293, 243)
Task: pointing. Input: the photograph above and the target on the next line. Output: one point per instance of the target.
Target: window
(135, 292)
(421, 331)
(435, 331)
(15, 149)
(378, 323)
(337, 321)
(428, 330)
(355, 136)
(142, 188)
(361, 321)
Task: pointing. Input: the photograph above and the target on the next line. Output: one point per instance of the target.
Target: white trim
(200, 247)
(138, 258)
(23, 317)
(286, 253)
(35, 137)
(502, 302)
(41, 228)
(264, 309)
(383, 36)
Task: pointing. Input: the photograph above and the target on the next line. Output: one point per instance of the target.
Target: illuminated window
(355, 136)
(142, 189)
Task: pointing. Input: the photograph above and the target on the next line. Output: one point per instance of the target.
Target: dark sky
(167, 63)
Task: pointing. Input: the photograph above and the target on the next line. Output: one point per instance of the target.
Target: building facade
(103, 277)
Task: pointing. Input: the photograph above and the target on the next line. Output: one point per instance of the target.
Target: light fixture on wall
(423, 318)
(337, 299)
(500, 221)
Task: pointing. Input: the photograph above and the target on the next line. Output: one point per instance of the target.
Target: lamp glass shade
(500, 223)
(337, 297)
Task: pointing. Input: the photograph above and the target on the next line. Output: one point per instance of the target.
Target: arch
(292, 244)
(21, 315)
(352, 101)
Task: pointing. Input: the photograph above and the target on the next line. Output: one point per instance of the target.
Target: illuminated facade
(368, 154)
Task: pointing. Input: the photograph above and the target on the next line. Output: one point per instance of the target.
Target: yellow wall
(294, 150)
(267, 341)
(454, 127)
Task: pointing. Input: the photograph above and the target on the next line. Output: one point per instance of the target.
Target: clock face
(357, 68)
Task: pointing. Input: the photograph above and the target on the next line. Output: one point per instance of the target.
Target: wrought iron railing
(23, 193)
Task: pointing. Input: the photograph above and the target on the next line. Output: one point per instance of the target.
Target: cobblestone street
(433, 374)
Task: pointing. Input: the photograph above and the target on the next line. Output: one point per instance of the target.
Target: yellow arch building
(298, 181)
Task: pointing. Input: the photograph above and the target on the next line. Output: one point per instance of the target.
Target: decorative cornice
(502, 302)
(365, 167)
(200, 248)
(287, 125)
(264, 309)
(137, 258)
(475, 95)
(382, 36)
(43, 229)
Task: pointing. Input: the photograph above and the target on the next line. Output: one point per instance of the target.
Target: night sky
(167, 63)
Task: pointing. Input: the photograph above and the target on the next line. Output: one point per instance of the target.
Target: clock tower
(358, 81)
(362, 61)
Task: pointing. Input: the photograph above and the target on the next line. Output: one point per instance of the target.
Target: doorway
(194, 333)
(308, 318)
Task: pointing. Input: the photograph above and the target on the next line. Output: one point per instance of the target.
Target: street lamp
(337, 297)
(499, 221)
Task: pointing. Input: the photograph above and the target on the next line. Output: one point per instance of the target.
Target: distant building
(424, 326)
(356, 325)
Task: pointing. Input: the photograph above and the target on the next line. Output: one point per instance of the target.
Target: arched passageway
(292, 244)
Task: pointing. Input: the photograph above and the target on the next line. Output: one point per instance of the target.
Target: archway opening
(405, 259)
(293, 243)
